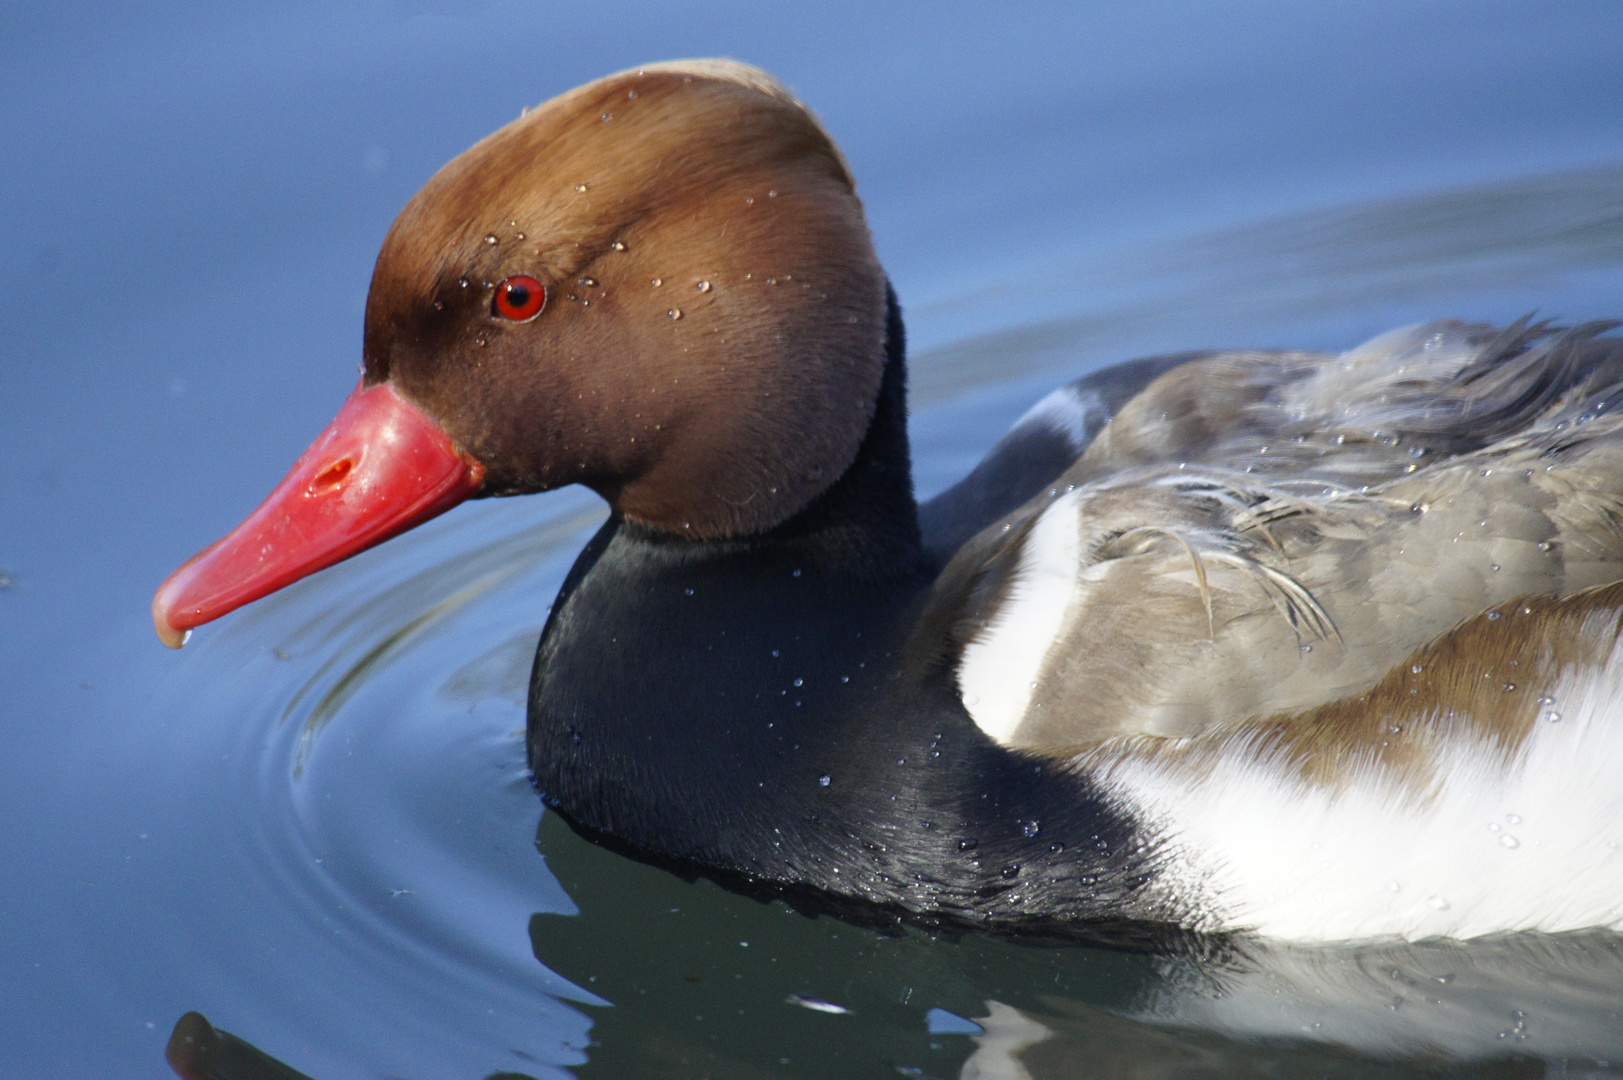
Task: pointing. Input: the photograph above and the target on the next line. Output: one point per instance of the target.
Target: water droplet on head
(490, 238)
(1416, 668)
(1544, 545)
(824, 780)
(703, 286)
(1552, 717)
(800, 682)
(1392, 886)
(589, 282)
(479, 341)
(1417, 451)
(1514, 819)
(605, 117)
(1508, 841)
(1509, 686)
(674, 313)
(1493, 616)
(772, 194)
(439, 305)
(1494, 567)
(462, 282)
(618, 245)
(1437, 903)
(657, 282)
(1307, 648)
(1031, 828)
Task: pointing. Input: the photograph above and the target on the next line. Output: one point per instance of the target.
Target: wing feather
(1265, 532)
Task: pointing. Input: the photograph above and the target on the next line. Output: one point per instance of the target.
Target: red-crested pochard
(1323, 647)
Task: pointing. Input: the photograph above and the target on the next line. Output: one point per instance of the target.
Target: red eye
(520, 298)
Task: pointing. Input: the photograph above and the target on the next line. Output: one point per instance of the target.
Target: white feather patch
(998, 671)
(1073, 414)
(1533, 845)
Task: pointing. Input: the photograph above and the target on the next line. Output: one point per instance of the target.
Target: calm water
(313, 824)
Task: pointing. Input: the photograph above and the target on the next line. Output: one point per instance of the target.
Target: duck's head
(659, 285)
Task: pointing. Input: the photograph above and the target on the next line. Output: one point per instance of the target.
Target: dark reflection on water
(314, 824)
(706, 983)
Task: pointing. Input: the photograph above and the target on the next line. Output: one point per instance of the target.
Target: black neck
(866, 525)
(739, 708)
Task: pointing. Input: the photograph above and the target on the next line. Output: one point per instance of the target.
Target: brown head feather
(710, 353)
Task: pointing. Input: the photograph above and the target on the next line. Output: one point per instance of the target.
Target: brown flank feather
(1479, 683)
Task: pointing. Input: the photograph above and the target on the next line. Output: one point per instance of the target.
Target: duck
(1318, 647)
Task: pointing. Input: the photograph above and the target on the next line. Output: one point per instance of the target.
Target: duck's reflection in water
(695, 980)
(1522, 1005)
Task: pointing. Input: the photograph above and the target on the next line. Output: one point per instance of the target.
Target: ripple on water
(360, 746)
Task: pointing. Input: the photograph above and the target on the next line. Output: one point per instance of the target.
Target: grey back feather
(1261, 532)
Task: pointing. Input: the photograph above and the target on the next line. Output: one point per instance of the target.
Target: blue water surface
(314, 824)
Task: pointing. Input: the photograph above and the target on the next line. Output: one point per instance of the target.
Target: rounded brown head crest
(710, 349)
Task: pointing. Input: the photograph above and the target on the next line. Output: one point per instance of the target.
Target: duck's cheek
(382, 466)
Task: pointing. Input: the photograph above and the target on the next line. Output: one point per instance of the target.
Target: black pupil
(518, 295)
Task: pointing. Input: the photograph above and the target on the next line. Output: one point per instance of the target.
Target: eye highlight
(519, 298)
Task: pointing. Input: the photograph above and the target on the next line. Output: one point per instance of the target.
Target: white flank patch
(1535, 845)
(998, 671)
(1071, 413)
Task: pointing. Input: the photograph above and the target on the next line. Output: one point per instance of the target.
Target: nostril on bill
(332, 475)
